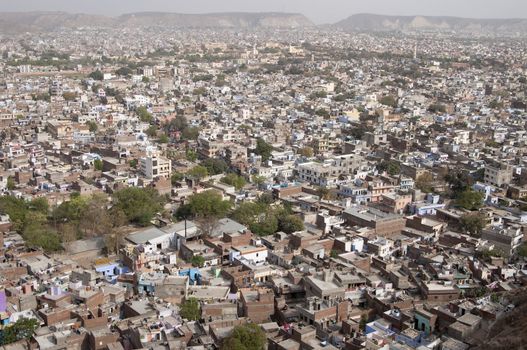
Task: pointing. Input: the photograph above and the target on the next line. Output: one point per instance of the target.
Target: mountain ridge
(375, 22)
(35, 21)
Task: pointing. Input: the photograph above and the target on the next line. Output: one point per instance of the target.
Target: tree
(473, 223)
(522, 250)
(95, 218)
(437, 108)
(133, 163)
(21, 329)
(470, 200)
(215, 166)
(322, 112)
(69, 96)
(190, 133)
(263, 149)
(234, 180)
(190, 309)
(163, 138)
(258, 180)
(151, 131)
(290, 224)
(334, 254)
(11, 184)
(198, 172)
(191, 155)
(245, 337)
(265, 225)
(138, 204)
(92, 126)
(459, 182)
(363, 322)
(145, 80)
(322, 192)
(124, 71)
(209, 204)
(97, 164)
(306, 152)
(389, 100)
(96, 75)
(392, 167)
(424, 182)
(176, 177)
(143, 114)
(197, 261)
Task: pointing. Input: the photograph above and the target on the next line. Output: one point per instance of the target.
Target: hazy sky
(320, 11)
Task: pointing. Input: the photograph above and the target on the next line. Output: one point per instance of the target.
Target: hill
(371, 22)
(18, 22)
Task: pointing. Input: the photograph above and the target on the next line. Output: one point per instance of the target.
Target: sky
(319, 11)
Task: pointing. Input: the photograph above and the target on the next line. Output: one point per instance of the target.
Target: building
(153, 166)
(506, 240)
(384, 224)
(498, 174)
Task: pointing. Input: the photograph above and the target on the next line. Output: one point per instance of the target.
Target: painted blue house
(194, 276)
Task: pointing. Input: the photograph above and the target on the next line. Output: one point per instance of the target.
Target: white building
(251, 253)
(155, 166)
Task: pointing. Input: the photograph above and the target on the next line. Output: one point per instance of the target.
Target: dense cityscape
(277, 186)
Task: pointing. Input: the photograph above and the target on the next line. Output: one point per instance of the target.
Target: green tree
(197, 261)
(424, 182)
(124, 71)
(334, 254)
(266, 225)
(11, 184)
(190, 133)
(362, 323)
(21, 329)
(97, 164)
(151, 131)
(138, 204)
(209, 204)
(290, 224)
(473, 223)
(522, 250)
(234, 180)
(92, 126)
(388, 100)
(69, 96)
(263, 149)
(145, 80)
(176, 177)
(459, 182)
(96, 75)
(143, 114)
(133, 163)
(306, 152)
(190, 309)
(247, 212)
(437, 108)
(245, 337)
(198, 172)
(470, 200)
(191, 155)
(322, 112)
(258, 180)
(163, 138)
(391, 167)
(215, 166)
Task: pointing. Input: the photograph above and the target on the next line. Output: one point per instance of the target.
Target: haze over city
(263, 175)
(319, 11)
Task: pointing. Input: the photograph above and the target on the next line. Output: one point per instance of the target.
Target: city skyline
(321, 13)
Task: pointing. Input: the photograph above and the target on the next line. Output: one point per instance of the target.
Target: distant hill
(17, 22)
(370, 22)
